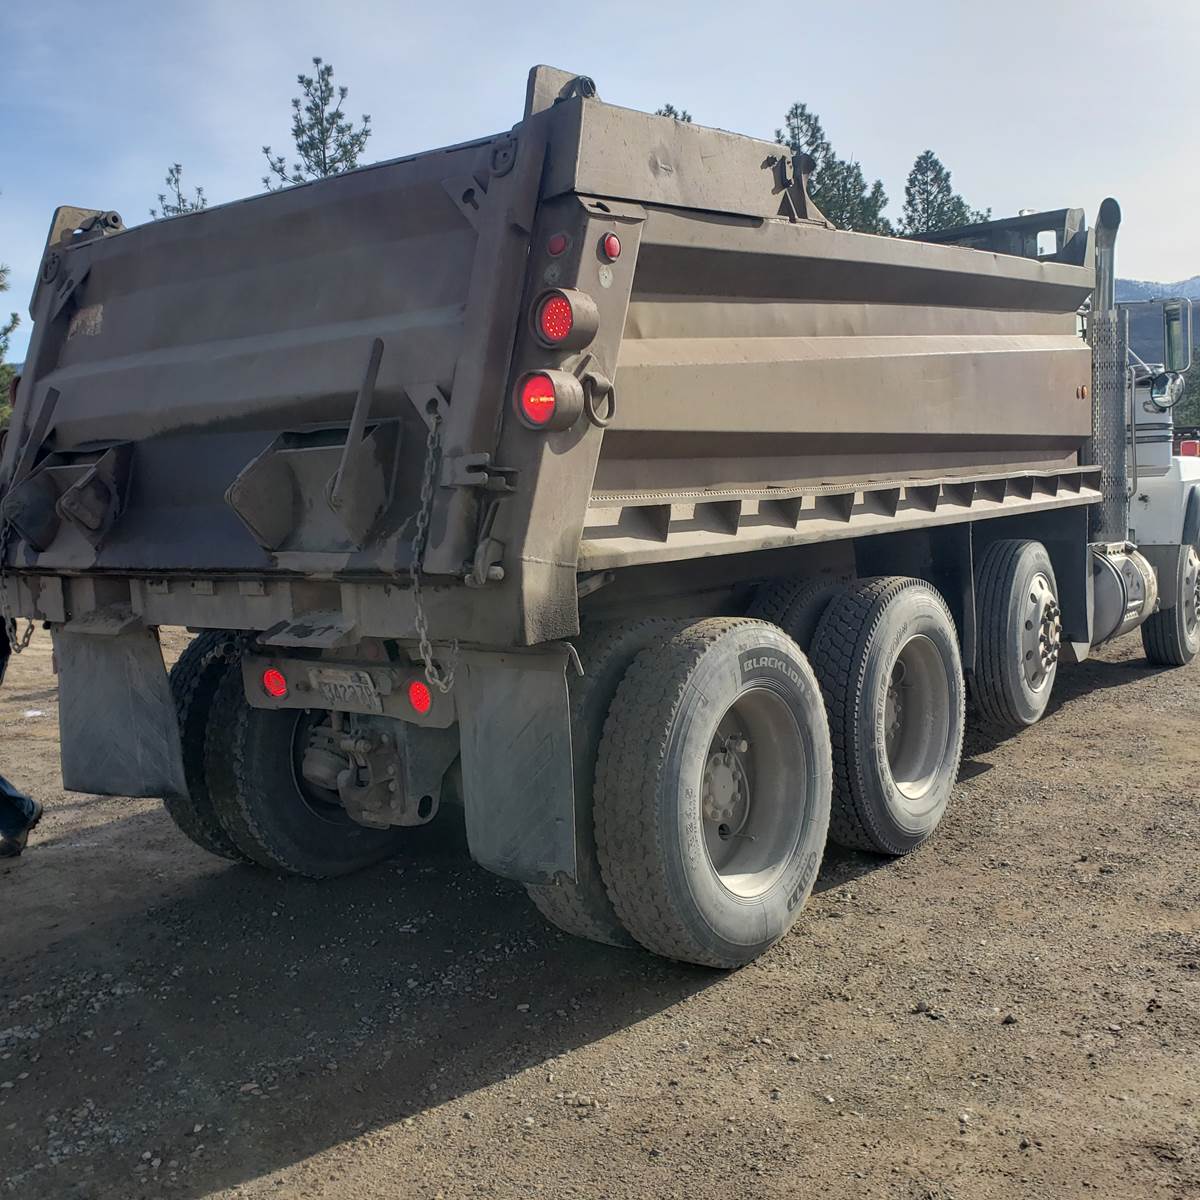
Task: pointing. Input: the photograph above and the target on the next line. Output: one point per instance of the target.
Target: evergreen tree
(930, 202)
(837, 186)
(326, 141)
(1187, 411)
(680, 114)
(173, 202)
(7, 371)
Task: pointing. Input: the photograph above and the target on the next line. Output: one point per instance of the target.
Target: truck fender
(1191, 517)
(515, 722)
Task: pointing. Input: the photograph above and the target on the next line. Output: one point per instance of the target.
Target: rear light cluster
(561, 319)
(275, 685)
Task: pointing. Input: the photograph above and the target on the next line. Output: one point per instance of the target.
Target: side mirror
(1166, 391)
(1177, 335)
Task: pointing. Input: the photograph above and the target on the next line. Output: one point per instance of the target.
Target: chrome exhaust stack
(1110, 518)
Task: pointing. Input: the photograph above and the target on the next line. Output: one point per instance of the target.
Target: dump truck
(587, 477)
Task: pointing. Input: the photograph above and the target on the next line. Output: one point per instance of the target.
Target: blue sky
(1031, 105)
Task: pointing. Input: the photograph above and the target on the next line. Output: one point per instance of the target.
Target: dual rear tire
(727, 761)
(886, 654)
(712, 792)
(246, 798)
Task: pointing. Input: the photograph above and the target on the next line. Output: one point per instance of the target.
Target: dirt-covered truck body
(396, 437)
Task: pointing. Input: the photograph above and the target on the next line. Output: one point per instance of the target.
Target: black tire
(582, 908)
(684, 883)
(1171, 637)
(866, 645)
(254, 779)
(1019, 630)
(796, 605)
(195, 677)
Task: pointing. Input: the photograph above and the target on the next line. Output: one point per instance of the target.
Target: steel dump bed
(226, 419)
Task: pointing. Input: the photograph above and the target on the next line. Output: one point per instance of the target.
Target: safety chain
(17, 644)
(439, 677)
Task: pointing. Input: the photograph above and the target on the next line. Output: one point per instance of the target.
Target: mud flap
(117, 725)
(518, 788)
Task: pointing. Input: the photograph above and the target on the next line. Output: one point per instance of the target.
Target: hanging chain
(6, 613)
(439, 677)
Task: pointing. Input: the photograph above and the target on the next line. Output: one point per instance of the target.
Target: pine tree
(7, 371)
(837, 186)
(930, 202)
(669, 110)
(173, 202)
(1187, 411)
(326, 141)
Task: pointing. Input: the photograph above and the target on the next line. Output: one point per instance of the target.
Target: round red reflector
(557, 244)
(420, 697)
(610, 247)
(274, 683)
(555, 318)
(538, 400)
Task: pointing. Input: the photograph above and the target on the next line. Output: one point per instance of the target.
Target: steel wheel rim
(752, 795)
(1191, 591)
(917, 726)
(323, 804)
(1041, 633)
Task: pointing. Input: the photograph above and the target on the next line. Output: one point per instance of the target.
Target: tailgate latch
(477, 471)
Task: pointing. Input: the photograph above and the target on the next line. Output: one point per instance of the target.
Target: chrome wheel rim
(1191, 591)
(917, 719)
(1041, 633)
(753, 787)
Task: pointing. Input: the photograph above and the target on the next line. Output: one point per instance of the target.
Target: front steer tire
(887, 657)
(725, 715)
(276, 821)
(1171, 637)
(194, 680)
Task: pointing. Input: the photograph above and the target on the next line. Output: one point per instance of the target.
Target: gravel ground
(1012, 1011)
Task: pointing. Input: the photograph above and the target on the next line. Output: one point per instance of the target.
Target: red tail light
(1189, 448)
(537, 400)
(420, 697)
(548, 399)
(274, 683)
(565, 319)
(555, 319)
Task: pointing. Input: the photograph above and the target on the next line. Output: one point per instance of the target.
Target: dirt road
(1013, 1011)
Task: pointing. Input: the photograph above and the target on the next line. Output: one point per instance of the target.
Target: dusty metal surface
(225, 418)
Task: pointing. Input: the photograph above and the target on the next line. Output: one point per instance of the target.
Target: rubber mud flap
(518, 784)
(117, 726)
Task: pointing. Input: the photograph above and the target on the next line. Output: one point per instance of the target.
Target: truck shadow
(237, 1023)
(1074, 682)
(283, 1016)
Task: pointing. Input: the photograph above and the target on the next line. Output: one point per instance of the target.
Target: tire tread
(194, 680)
(847, 626)
(582, 907)
(631, 766)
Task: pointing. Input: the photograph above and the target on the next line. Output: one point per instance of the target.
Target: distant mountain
(1143, 289)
